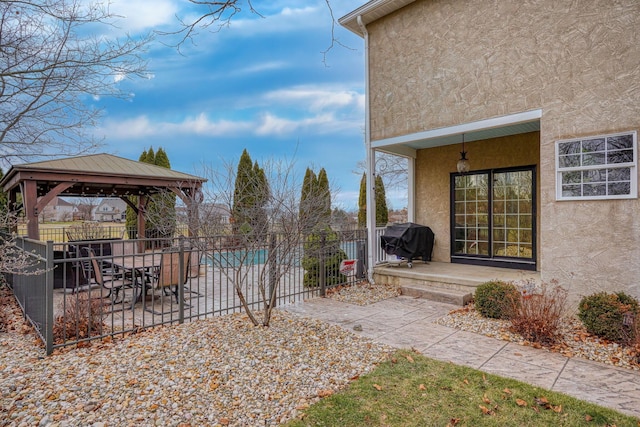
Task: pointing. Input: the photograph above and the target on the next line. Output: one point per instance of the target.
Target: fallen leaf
(394, 360)
(506, 390)
(588, 418)
(466, 381)
(377, 387)
(485, 410)
(557, 409)
(325, 393)
(409, 358)
(521, 402)
(422, 387)
(486, 400)
(454, 421)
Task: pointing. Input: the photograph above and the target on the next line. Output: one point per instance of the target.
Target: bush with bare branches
(539, 314)
(82, 317)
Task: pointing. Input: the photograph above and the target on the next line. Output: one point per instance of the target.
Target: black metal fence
(91, 289)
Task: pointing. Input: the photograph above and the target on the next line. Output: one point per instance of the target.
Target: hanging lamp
(463, 164)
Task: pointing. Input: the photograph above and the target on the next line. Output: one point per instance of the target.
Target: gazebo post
(30, 212)
(142, 202)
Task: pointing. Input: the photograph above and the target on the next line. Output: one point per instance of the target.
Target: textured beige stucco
(440, 63)
(433, 195)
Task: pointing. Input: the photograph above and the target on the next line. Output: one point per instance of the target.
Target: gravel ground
(574, 340)
(219, 371)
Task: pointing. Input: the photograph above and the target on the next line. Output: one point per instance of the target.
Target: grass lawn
(412, 390)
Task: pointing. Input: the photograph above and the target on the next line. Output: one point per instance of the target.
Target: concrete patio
(408, 322)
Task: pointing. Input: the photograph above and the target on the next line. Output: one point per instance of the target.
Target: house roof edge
(371, 11)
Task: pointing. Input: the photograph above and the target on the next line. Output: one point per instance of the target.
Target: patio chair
(168, 274)
(113, 282)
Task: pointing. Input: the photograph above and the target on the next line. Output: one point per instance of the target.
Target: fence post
(181, 276)
(48, 330)
(273, 265)
(321, 269)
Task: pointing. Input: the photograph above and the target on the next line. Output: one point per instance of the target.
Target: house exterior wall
(433, 196)
(438, 63)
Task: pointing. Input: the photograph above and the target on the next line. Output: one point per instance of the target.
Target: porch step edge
(449, 296)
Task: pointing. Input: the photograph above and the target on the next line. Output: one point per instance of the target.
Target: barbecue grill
(408, 241)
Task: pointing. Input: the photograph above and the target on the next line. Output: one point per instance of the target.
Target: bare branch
(50, 67)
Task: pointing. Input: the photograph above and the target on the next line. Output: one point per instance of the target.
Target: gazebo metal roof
(98, 175)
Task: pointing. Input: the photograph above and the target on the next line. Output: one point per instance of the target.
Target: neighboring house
(58, 210)
(544, 97)
(110, 209)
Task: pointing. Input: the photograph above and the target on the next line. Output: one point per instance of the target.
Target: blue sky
(260, 84)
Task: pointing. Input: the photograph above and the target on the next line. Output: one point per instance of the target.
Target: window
(598, 167)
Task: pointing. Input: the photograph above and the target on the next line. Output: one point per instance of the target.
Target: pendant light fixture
(463, 164)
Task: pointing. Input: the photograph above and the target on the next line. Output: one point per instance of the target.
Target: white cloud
(317, 99)
(139, 15)
(142, 127)
(264, 66)
(273, 125)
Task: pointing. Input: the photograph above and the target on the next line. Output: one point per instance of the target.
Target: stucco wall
(436, 165)
(441, 63)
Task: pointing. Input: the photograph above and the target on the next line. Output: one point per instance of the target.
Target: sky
(262, 83)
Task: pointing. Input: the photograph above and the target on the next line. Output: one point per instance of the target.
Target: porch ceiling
(515, 124)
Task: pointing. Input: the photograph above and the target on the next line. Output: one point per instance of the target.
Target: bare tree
(393, 170)
(13, 260)
(277, 243)
(215, 15)
(51, 63)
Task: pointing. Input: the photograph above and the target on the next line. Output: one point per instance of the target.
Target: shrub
(496, 299)
(82, 318)
(323, 245)
(603, 314)
(539, 314)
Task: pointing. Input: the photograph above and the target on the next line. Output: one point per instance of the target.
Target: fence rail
(67, 302)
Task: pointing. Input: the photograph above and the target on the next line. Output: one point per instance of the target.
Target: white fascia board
(495, 122)
(369, 12)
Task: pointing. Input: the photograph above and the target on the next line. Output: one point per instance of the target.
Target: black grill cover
(408, 241)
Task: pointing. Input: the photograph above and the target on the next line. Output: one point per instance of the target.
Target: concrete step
(437, 293)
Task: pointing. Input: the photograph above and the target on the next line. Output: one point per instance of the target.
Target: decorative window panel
(597, 167)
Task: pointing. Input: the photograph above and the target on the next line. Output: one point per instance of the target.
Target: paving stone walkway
(407, 322)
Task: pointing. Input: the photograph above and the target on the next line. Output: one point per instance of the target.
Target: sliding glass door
(493, 218)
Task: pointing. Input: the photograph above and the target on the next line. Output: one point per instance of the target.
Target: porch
(446, 282)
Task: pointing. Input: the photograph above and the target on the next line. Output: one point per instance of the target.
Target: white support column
(371, 163)
(411, 189)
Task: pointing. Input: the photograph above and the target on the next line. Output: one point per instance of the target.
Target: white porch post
(411, 189)
(371, 163)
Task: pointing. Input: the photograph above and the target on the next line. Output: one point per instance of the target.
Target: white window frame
(632, 166)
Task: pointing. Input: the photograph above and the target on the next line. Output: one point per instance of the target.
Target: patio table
(140, 266)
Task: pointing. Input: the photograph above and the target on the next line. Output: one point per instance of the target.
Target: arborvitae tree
(307, 209)
(161, 208)
(250, 197)
(161, 214)
(382, 213)
(323, 244)
(362, 202)
(324, 197)
(131, 218)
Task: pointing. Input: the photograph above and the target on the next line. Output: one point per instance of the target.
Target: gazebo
(98, 175)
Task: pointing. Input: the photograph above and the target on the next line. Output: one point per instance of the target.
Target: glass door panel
(493, 215)
(471, 228)
(512, 214)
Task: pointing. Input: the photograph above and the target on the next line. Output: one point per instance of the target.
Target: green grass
(412, 390)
